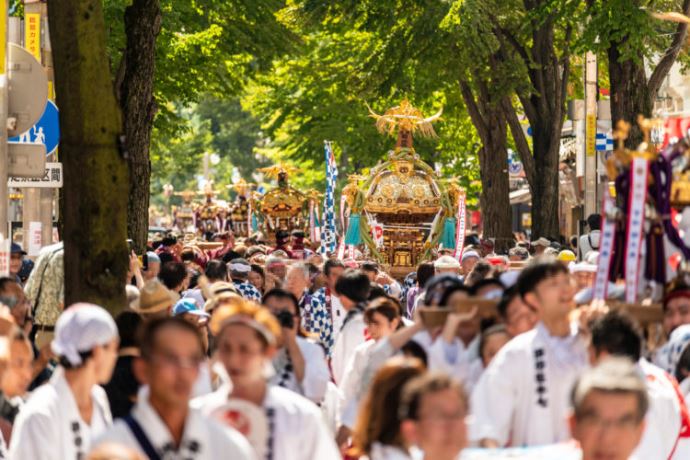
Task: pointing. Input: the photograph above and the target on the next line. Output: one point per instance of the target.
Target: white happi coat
(522, 398)
(203, 437)
(350, 337)
(49, 425)
(383, 452)
(354, 384)
(316, 373)
(667, 433)
(299, 432)
(454, 359)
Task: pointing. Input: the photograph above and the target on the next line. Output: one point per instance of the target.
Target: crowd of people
(257, 351)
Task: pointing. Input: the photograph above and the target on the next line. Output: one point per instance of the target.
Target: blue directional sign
(46, 131)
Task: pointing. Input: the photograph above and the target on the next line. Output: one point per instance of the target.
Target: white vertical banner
(35, 238)
(608, 237)
(4, 256)
(639, 169)
(460, 233)
(250, 211)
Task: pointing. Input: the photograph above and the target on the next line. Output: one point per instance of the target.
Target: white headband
(249, 322)
(240, 268)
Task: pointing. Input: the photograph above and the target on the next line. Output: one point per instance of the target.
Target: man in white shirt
(522, 398)
(609, 405)
(162, 425)
(353, 288)
(590, 241)
(667, 421)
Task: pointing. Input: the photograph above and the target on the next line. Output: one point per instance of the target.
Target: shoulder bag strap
(142, 439)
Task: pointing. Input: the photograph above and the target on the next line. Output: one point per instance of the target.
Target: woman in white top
(279, 424)
(377, 433)
(60, 419)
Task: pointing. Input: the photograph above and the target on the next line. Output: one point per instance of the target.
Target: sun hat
(542, 242)
(445, 262)
(79, 329)
(153, 298)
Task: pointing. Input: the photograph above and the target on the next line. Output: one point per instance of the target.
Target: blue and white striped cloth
(328, 240)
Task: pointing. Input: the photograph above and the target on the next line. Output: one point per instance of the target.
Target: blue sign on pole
(46, 131)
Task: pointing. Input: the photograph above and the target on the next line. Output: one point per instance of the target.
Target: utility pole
(590, 133)
(4, 195)
(47, 194)
(38, 202)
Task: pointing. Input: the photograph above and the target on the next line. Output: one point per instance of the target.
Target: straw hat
(153, 298)
(448, 262)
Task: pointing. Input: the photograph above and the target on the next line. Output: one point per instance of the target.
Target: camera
(285, 319)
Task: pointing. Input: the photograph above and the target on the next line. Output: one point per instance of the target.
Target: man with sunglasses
(522, 397)
(162, 425)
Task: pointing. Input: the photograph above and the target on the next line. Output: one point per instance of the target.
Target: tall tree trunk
(544, 186)
(142, 25)
(630, 95)
(95, 168)
(495, 197)
(490, 122)
(544, 107)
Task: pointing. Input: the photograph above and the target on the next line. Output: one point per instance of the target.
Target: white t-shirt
(589, 243)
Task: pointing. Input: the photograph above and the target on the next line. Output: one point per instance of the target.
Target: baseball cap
(188, 305)
(79, 329)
